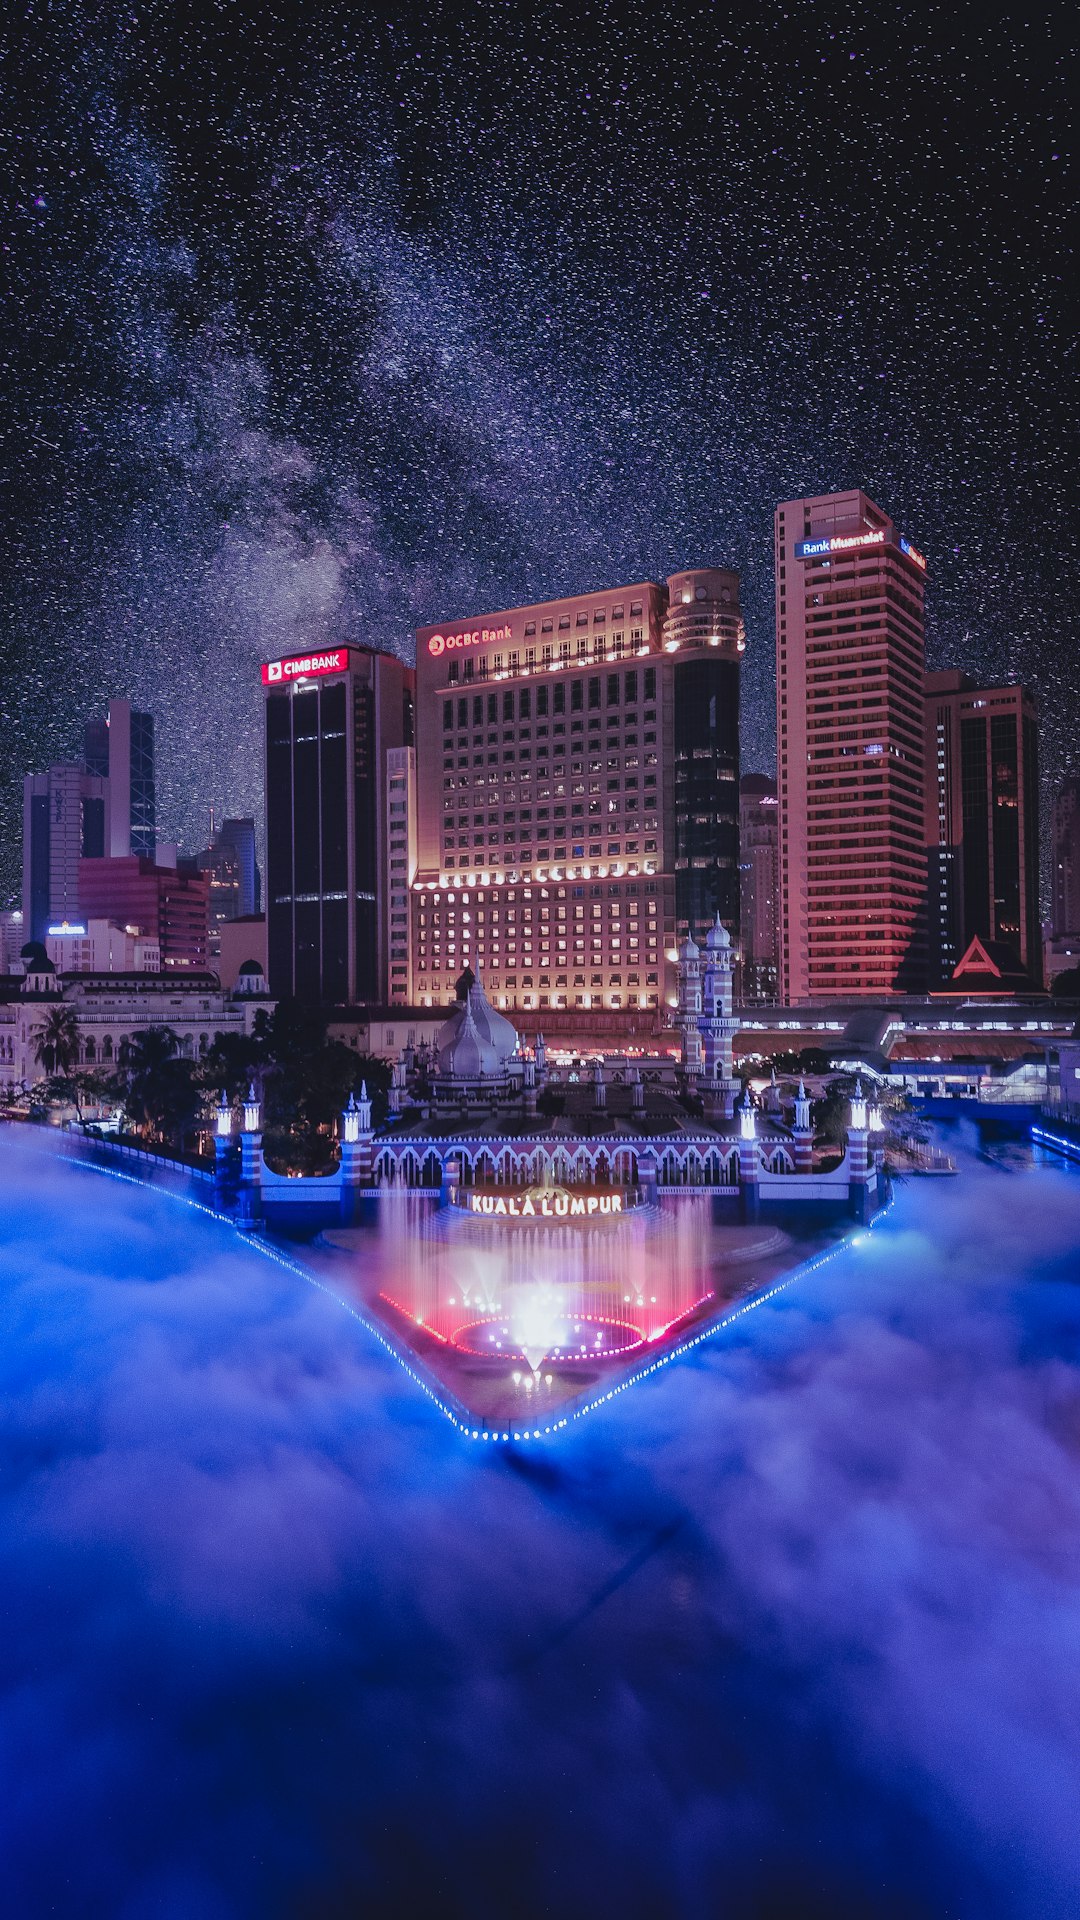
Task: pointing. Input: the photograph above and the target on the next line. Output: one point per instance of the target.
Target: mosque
(478, 1113)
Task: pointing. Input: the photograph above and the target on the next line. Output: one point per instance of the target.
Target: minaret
(859, 1174)
(251, 1163)
(749, 1159)
(689, 1010)
(803, 1132)
(717, 1024)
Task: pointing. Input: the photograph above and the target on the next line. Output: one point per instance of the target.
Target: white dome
(476, 1042)
(717, 936)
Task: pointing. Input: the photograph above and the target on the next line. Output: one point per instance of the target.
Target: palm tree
(145, 1059)
(56, 1040)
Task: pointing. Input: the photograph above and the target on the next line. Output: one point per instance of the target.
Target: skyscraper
(1066, 895)
(576, 805)
(849, 659)
(982, 821)
(64, 819)
(331, 718)
(232, 871)
(119, 747)
(759, 870)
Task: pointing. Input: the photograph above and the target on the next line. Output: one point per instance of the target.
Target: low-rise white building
(112, 1007)
(102, 946)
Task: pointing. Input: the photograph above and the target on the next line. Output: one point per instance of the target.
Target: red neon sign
(479, 637)
(306, 666)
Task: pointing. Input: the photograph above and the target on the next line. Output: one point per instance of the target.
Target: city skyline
(271, 392)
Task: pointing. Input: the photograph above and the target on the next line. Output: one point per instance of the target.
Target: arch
(385, 1167)
(107, 1047)
(780, 1161)
(669, 1170)
(484, 1169)
(602, 1169)
(90, 1051)
(409, 1166)
(432, 1170)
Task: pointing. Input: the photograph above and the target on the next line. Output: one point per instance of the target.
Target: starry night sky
(321, 324)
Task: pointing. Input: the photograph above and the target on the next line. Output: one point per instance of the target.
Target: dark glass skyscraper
(982, 821)
(330, 719)
(703, 639)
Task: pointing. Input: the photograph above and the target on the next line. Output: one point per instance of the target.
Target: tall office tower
(982, 821)
(152, 900)
(577, 793)
(759, 871)
(331, 718)
(233, 874)
(1065, 918)
(119, 747)
(849, 672)
(703, 631)
(401, 867)
(64, 818)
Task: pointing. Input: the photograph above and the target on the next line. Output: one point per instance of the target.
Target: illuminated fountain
(501, 1310)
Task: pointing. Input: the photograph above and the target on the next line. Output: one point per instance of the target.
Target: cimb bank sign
(306, 666)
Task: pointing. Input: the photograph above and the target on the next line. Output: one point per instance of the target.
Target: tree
(160, 1091)
(57, 1040)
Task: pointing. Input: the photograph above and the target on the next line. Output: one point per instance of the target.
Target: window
(576, 690)
(594, 692)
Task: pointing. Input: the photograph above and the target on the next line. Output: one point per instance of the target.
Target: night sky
(321, 324)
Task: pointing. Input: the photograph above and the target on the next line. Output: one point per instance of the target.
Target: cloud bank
(792, 1629)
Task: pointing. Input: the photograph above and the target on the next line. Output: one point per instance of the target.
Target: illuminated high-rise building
(576, 789)
(64, 820)
(331, 719)
(849, 670)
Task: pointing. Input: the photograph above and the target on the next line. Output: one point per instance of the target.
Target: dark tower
(703, 644)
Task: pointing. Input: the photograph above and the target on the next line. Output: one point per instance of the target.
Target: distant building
(12, 940)
(239, 941)
(331, 718)
(119, 747)
(64, 821)
(102, 946)
(849, 674)
(232, 872)
(157, 900)
(982, 823)
(1065, 919)
(759, 871)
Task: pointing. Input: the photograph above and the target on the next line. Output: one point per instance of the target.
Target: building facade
(119, 747)
(64, 820)
(575, 794)
(849, 659)
(759, 871)
(1065, 917)
(103, 946)
(982, 822)
(331, 718)
(152, 900)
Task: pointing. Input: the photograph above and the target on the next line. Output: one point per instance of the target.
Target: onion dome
(717, 937)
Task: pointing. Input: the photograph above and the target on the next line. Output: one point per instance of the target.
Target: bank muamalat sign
(552, 1203)
(477, 637)
(838, 543)
(306, 666)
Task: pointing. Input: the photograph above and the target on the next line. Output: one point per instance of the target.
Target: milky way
(322, 325)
